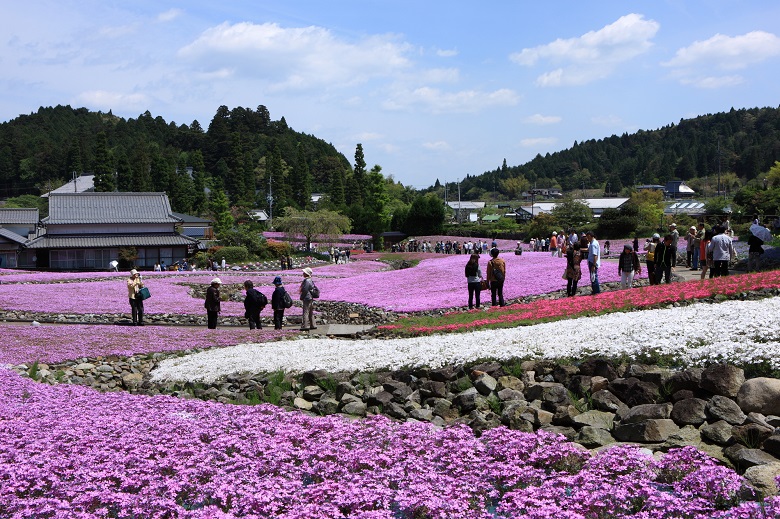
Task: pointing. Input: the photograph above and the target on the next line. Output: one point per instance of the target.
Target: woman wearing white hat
(307, 298)
(212, 302)
(134, 284)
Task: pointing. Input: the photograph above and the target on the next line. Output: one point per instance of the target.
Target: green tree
(301, 180)
(358, 191)
(425, 216)
(571, 213)
(513, 187)
(220, 210)
(103, 166)
(322, 226)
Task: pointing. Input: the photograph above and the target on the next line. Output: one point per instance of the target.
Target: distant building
(195, 227)
(17, 227)
(81, 184)
(597, 205)
(690, 207)
(84, 231)
(466, 211)
(678, 189)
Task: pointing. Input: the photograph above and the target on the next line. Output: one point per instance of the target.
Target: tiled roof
(80, 184)
(14, 216)
(188, 218)
(110, 240)
(97, 208)
(10, 235)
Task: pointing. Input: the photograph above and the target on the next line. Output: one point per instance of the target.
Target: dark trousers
(720, 268)
(254, 320)
(651, 272)
(278, 317)
(212, 319)
(674, 256)
(474, 289)
(497, 289)
(661, 271)
(571, 286)
(137, 309)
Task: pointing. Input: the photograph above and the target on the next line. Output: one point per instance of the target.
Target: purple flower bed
(57, 343)
(68, 451)
(439, 282)
(170, 293)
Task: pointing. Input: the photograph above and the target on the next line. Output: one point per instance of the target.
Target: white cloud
(437, 146)
(538, 142)
(713, 81)
(367, 136)
(593, 55)
(104, 100)
(297, 58)
(439, 75)
(446, 53)
(543, 119)
(607, 120)
(728, 53)
(437, 101)
(170, 14)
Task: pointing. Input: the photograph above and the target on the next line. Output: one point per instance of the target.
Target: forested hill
(749, 146)
(238, 152)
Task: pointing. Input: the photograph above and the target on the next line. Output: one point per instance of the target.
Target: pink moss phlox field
(637, 298)
(170, 294)
(439, 282)
(57, 343)
(69, 451)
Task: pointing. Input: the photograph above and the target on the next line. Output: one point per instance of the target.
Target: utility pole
(270, 203)
(718, 165)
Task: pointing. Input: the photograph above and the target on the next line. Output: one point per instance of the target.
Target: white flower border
(735, 331)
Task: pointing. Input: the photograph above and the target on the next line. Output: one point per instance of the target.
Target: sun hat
(133, 272)
(216, 281)
(307, 272)
(278, 280)
(628, 246)
(555, 233)
(673, 225)
(656, 235)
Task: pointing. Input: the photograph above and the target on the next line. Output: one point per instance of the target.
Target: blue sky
(432, 89)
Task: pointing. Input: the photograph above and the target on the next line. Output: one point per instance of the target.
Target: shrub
(231, 254)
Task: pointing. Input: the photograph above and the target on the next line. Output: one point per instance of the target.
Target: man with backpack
(496, 274)
(254, 302)
(280, 300)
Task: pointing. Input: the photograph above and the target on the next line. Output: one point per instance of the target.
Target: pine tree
(359, 175)
(301, 180)
(103, 166)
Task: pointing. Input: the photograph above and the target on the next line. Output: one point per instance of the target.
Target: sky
(431, 89)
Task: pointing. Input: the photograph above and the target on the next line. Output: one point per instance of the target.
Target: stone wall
(595, 403)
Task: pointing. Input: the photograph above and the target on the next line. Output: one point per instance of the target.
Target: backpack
(315, 292)
(258, 298)
(498, 274)
(287, 301)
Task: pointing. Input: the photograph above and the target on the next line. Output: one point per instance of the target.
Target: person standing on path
(134, 284)
(675, 234)
(496, 274)
(573, 269)
(628, 266)
(278, 302)
(594, 262)
(650, 247)
(473, 279)
(307, 297)
(664, 254)
(722, 252)
(212, 303)
(554, 244)
(254, 302)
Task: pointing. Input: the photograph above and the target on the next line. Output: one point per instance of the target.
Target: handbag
(315, 292)
(143, 294)
(484, 285)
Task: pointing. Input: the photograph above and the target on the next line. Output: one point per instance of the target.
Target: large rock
(510, 382)
(485, 384)
(745, 458)
(772, 445)
(751, 434)
(687, 435)
(315, 377)
(516, 418)
(433, 388)
(763, 477)
(722, 379)
(690, 411)
(595, 419)
(422, 415)
(598, 367)
(399, 390)
(564, 415)
(606, 401)
(723, 408)
(760, 395)
(592, 437)
(564, 373)
(718, 432)
(634, 392)
(467, 400)
(354, 408)
(644, 412)
(510, 394)
(647, 431)
(690, 379)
